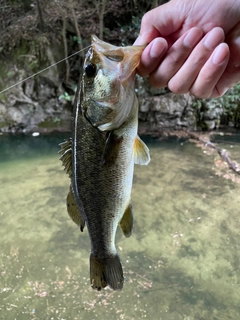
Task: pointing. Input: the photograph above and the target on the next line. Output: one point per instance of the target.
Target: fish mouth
(108, 83)
(127, 58)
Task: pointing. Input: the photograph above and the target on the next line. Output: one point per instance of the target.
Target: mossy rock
(50, 123)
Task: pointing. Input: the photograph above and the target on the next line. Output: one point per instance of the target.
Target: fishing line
(35, 74)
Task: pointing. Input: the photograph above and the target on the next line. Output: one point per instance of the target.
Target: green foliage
(50, 123)
(77, 39)
(25, 4)
(225, 108)
(232, 97)
(5, 120)
(130, 29)
(57, 120)
(230, 103)
(10, 73)
(65, 96)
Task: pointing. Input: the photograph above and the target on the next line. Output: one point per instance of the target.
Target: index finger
(152, 56)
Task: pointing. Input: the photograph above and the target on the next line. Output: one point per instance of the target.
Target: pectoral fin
(141, 152)
(73, 211)
(111, 149)
(66, 156)
(126, 223)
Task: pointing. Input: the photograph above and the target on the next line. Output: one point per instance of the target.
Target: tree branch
(233, 165)
(80, 45)
(65, 48)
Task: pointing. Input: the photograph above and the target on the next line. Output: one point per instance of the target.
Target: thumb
(160, 22)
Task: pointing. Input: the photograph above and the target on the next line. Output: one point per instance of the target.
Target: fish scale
(103, 150)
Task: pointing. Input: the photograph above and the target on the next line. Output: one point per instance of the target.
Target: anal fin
(73, 211)
(126, 223)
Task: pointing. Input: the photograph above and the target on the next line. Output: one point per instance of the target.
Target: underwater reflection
(182, 261)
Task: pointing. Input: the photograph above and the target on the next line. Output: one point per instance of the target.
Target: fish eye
(90, 69)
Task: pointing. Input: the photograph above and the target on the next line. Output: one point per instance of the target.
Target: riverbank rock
(34, 106)
(41, 104)
(167, 111)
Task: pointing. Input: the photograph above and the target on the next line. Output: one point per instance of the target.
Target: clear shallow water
(182, 262)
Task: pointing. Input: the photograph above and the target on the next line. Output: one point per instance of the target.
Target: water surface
(181, 263)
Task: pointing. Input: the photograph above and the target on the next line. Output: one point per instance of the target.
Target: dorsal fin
(66, 156)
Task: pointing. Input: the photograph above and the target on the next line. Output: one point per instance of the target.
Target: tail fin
(106, 272)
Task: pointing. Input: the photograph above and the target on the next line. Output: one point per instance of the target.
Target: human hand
(192, 56)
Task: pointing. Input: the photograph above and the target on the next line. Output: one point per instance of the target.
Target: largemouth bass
(100, 156)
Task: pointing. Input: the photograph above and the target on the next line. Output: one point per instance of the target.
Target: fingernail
(137, 41)
(213, 38)
(192, 37)
(219, 54)
(158, 48)
(223, 91)
(154, 52)
(140, 41)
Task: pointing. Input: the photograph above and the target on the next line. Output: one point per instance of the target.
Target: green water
(182, 262)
